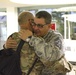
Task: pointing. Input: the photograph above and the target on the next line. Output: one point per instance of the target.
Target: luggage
(10, 61)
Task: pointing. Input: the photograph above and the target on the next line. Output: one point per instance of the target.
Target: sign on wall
(53, 26)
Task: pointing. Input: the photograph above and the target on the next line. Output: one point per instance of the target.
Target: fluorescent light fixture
(45, 2)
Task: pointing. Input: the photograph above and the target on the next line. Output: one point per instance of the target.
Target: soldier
(24, 20)
(44, 44)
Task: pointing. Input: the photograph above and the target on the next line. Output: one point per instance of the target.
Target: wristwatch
(28, 39)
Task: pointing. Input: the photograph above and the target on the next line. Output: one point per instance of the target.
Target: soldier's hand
(24, 34)
(10, 43)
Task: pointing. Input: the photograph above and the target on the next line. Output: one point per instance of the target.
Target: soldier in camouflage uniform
(46, 45)
(24, 20)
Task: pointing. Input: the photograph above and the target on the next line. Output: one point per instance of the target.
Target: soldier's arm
(47, 52)
(10, 42)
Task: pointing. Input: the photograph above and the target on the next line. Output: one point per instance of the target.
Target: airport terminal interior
(63, 20)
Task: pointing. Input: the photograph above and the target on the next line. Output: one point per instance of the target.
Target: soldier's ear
(31, 20)
(49, 25)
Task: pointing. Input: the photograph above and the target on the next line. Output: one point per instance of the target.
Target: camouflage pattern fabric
(27, 54)
(48, 48)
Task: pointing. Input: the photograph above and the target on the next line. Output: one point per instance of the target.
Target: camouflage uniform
(48, 48)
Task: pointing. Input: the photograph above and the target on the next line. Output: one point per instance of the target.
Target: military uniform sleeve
(48, 51)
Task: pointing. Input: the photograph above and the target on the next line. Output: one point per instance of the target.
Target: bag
(10, 61)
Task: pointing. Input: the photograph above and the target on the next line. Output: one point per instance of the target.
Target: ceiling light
(45, 2)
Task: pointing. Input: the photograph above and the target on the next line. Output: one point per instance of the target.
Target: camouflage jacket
(48, 49)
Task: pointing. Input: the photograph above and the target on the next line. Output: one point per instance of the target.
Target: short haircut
(45, 15)
(24, 17)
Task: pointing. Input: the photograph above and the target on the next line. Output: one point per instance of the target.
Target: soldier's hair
(44, 14)
(24, 17)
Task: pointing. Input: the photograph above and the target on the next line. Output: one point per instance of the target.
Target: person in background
(73, 36)
(44, 44)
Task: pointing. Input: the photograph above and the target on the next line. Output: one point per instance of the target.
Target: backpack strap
(18, 51)
(29, 71)
(20, 45)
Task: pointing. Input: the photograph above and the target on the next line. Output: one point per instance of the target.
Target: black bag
(10, 61)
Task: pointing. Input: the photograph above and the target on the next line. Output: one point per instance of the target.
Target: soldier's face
(39, 26)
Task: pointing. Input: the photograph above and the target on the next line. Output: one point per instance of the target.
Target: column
(12, 23)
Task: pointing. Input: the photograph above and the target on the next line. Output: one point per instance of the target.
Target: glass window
(3, 30)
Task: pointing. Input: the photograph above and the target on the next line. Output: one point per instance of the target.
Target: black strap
(29, 71)
(18, 51)
(20, 45)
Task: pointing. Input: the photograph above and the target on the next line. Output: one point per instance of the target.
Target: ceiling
(6, 3)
